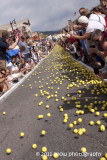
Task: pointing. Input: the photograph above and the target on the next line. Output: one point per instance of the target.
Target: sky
(44, 15)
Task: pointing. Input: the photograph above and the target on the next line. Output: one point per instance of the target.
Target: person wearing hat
(90, 26)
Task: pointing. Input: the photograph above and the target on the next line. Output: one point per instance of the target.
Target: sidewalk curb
(90, 68)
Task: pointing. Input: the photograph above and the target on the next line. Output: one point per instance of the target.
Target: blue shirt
(11, 52)
(82, 41)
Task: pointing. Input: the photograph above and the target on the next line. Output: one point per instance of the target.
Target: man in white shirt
(90, 26)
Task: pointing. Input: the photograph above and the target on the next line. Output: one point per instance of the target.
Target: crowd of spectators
(86, 39)
(18, 56)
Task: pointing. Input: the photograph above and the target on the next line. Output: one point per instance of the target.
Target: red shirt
(71, 39)
(106, 20)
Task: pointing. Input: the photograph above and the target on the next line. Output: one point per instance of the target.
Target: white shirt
(92, 25)
(98, 18)
(12, 67)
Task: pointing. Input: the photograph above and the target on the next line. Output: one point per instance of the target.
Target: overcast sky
(44, 15)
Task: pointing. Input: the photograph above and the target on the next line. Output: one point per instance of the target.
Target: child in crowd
(13, 66)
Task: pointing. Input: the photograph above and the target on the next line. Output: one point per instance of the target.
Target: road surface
(54, 83)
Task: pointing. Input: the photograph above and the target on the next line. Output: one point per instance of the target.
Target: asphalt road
(58, 72)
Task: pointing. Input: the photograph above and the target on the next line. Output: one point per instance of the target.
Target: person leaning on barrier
(94, 16)
(100, 39)
(77, 26)
(4, 47)
(90, 27)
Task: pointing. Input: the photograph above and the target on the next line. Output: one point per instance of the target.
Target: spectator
(10, 53)
(4, 46)
(86, 13)
(13, 66)
(12, 78)
(27, 40)
(97, 16)
(22, 66)
(77, 26)
(29, 65)
(99, 37)
(71, 39)
(81, 10)
(23, 43)
(90, 27)
(101, 44)
(4, 85)
(23, 53)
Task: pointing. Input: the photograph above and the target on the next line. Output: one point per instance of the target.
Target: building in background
(23, 26)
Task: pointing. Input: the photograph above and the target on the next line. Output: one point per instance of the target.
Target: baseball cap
(83, 19)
